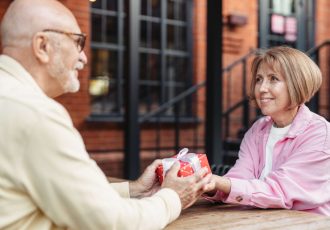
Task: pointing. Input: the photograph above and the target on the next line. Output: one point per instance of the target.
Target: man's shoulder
(22, 103)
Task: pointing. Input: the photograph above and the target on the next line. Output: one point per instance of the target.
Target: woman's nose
(264, 86)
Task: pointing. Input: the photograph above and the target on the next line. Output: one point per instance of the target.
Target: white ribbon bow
(184, 156)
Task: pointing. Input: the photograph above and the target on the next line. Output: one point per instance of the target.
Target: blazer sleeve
(244, 167)
(69, 188)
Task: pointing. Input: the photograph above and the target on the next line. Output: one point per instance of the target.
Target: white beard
(68, 79)
(73, 84)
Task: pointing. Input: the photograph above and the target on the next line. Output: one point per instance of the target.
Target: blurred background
(168, 74)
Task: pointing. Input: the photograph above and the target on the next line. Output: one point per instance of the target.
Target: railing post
(246, 115)
(313, 104)
(132, 132)
(213, 132)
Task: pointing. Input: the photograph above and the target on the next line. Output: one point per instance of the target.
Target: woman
(284, 158)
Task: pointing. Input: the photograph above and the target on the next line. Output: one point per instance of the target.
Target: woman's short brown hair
(302, 75)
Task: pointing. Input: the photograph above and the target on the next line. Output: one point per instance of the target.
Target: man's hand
(147, 184)
(188, 188)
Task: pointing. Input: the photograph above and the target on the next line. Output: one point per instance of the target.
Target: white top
(275, 135)
(47, 179)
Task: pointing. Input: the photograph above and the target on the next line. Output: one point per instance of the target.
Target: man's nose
(82, 57)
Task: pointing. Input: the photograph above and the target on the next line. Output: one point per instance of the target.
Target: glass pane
(97, 4)
(176, 37)
(103, 86)
(112, 31)
(150, 30)
(154, 68)
(170, 37)
(155, 36)
(143, 66)
(155, 8)
(285, 7)
(176, 9)
(182, 38)
(112, 5)
(144, 34)
(149, 68)
(177, 80)
(144, 7)
(148, 98)
(114, 82)
(97, 28)
(177, 70)
(149, 82)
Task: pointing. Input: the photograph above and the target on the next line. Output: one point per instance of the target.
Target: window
(283, 23)
(107, 45)
(287, 22)
(165, 55)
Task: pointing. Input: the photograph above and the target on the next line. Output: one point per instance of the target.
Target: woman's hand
(219, 183)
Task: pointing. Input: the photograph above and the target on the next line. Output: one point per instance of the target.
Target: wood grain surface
(208, 216)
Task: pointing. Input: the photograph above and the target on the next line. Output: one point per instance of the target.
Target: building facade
(171, 60)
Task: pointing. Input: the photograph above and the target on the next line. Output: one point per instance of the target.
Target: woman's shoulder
(318, 131)
(261, 123)
(319, 123)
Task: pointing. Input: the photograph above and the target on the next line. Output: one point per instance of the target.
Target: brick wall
(322, 33)
(3, 6)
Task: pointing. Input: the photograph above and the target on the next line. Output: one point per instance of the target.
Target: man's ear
(41, 47)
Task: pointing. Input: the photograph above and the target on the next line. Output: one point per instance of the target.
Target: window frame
(163, 53)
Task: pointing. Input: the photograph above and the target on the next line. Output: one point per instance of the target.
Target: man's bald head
(24, 18)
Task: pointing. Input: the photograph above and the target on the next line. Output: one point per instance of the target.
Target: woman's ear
(41, 47)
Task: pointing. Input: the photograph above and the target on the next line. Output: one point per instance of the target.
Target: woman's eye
(258, 79)
(273, 78)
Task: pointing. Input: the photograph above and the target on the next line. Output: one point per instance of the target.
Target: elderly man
(47, 180)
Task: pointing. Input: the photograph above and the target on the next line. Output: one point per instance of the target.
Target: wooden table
(208, 216)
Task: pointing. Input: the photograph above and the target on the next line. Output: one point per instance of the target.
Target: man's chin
(73, 88)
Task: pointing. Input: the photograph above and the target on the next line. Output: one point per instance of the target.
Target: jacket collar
(299, 124)
(17, 71)
(301, 121)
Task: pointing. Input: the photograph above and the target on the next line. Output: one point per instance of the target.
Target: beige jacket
(48, 181)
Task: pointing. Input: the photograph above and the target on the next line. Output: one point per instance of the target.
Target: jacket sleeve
(302, 180)
(244, 167)
(69, 188)
(122, 188)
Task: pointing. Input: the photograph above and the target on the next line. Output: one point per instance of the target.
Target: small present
(189, 164)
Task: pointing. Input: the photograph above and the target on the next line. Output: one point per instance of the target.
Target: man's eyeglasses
(80, 38)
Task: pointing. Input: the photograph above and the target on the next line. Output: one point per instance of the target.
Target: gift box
(189, 164)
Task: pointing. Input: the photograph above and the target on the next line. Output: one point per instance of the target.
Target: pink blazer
(300, 177)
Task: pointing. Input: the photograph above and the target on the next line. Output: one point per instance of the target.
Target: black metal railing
(192, 126)
(321, 55)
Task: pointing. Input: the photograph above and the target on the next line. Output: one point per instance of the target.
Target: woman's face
(272, 95)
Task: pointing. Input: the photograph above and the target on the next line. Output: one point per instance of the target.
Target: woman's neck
(287, 120)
